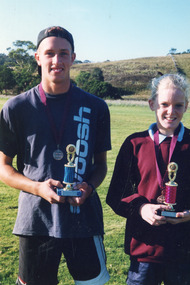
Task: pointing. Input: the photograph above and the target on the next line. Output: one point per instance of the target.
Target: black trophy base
(68, 193)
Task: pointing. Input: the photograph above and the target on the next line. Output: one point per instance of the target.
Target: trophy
(69, 172)
(170, 191)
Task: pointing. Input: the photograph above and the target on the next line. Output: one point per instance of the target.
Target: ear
(186, 105)
(37, 58)
(151, 104)
(73, 56)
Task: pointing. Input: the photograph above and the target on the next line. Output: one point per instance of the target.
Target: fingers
(157, 220)
(185, 214)
(56, 199)
(181, 217)
(149, 213)
(53, 198)
(54, 183)
(47, 191)
(73, 201)
(85, 191)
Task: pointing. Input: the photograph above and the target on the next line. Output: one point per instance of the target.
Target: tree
(23, 56)
(172, 50)
(25, 80)
(7, 80)
(97, 74)
(101, 89)
(82, 79)
(77, 61)
(24, 65)
(3, 58)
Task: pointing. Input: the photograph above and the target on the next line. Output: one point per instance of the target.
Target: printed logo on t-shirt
(82, 141)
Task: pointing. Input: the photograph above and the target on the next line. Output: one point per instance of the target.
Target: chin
(58, 80)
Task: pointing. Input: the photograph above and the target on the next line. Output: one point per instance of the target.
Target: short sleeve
(103, 137)
(8, 143)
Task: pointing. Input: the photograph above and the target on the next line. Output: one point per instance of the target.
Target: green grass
(2, 101)
(124, 121)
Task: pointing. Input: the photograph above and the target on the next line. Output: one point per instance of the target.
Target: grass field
(124, 121)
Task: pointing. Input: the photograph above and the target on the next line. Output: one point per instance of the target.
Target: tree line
(18, 73)
(174, 51)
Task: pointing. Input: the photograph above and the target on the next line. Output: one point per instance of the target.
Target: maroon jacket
(135, 180)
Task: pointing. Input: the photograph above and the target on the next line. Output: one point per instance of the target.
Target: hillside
(135, 74)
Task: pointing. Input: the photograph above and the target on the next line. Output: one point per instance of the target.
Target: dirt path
(110, 102)
(127, 102)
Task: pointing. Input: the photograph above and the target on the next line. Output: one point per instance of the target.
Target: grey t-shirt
(26, 131)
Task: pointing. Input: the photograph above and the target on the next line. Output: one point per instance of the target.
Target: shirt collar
(162, 137)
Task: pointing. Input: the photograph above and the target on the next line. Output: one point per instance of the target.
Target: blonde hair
(169, 80)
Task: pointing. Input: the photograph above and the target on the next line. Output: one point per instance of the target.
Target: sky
(102, 29)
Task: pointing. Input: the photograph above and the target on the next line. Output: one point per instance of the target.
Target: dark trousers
(142, 273)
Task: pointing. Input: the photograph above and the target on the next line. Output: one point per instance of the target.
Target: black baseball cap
(54, 31)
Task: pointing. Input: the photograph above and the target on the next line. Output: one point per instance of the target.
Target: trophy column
(170, 190)
(69, 172)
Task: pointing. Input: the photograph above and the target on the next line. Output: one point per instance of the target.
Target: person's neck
(169, 132)
(55, 88)
(166, 133)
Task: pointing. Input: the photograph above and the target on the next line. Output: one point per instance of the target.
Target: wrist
(140, 209)
(36, 188)
(93, 189)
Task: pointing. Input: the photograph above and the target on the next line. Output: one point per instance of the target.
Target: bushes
(7, 80)
(94, 83)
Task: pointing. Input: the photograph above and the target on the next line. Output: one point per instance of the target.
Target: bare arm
(97, 176)
(10, 176)
(100, 169)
